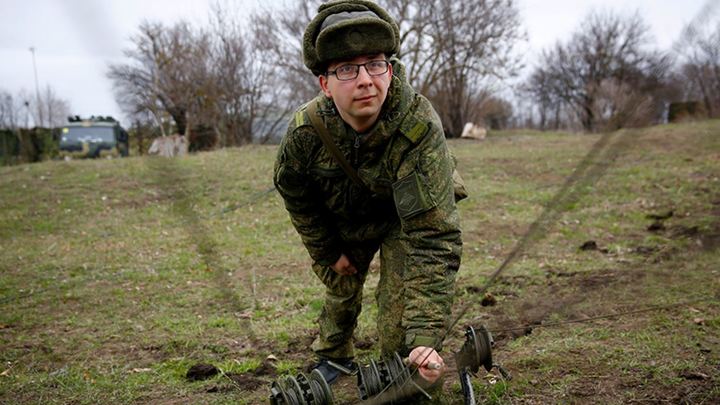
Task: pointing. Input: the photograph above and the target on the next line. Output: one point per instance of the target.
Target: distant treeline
(27, 145)
(238, 78)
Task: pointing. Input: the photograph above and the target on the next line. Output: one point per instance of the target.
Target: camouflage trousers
(343, 299)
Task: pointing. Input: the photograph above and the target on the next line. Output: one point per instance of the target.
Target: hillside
(118, 275)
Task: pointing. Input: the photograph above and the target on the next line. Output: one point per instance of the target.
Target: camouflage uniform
(409, 214)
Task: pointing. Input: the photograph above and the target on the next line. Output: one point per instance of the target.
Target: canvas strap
(330, 145)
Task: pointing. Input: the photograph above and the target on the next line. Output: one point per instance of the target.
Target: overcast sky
(75, 40)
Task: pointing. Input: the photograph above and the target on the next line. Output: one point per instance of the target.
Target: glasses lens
(376, 67)
(347, 72)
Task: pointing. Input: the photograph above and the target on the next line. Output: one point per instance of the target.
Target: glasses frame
(357, 69)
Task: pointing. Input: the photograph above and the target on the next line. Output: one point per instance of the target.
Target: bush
(27, 145)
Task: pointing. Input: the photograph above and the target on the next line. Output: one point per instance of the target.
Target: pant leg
(390, 294)
(343, 303)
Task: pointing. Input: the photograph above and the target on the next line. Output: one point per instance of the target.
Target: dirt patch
(246, 381)
(578, 381)
(710, 242)
(560, 293)
(661, 216)
(556, 300)
(684, 231)
(705, 239)
(591, 245)
(656, 226)
(645, 250)
(648, 388)
(488, 300)
(301, 345)
(267, 368)
(200, 371)
(598, 280)
(585, 282)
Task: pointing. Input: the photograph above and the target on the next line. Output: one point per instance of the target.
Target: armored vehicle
(93, 138)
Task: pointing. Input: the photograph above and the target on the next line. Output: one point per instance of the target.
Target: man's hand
(343, 266)
(428, 362)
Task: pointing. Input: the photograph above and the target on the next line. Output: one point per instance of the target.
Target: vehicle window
(88, 134)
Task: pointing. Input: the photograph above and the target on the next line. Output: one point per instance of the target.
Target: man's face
(358, 100)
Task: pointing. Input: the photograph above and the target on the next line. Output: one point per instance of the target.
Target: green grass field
(118, 275)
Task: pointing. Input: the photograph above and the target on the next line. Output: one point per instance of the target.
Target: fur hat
(344, 29)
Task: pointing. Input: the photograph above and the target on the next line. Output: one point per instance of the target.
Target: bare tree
(608, 50)
(279, 36)
(9, 114)
(15, 111)
(620, 105)
(216, 83)
(457, 50)
(496, 113)
(251, 102)
(540, 88)
(167, 71)
(415, 21)
(699, 52)
(55, 110)
(231, 82)
(18, 142)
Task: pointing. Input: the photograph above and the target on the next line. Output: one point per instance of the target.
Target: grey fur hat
(343, 29)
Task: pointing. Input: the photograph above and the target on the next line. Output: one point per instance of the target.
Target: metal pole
(27, 114)
(37, 90)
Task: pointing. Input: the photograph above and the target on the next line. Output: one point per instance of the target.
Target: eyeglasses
(350, 71)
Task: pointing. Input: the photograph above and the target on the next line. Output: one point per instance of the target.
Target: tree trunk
(179, 116)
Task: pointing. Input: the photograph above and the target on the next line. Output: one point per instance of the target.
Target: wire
(250, 201)
(587, 172)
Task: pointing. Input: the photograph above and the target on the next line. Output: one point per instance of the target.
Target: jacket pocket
(412, 196)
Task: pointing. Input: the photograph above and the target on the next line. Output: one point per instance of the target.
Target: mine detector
(390, 380)
(93, 137)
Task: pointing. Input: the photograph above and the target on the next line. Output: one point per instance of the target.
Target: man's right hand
(428, 362)
(343, 266)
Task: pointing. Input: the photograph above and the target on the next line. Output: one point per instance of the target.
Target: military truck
(93, 137)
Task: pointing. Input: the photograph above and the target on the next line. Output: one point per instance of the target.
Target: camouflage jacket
(405, 163)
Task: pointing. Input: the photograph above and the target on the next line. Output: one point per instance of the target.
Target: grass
(118, 275)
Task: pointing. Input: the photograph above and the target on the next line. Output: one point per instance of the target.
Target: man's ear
(324, 85)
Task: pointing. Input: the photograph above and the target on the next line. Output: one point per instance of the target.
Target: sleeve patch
(417, 132)
(299, 118)
(412, 196)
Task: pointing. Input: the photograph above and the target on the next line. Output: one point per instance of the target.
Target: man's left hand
(428, 362)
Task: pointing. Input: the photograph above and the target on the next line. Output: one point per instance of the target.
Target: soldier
(396, 197)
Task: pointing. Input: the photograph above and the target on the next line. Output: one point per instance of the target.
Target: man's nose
(363, 77)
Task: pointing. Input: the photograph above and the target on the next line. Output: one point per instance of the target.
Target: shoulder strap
(324, 135)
